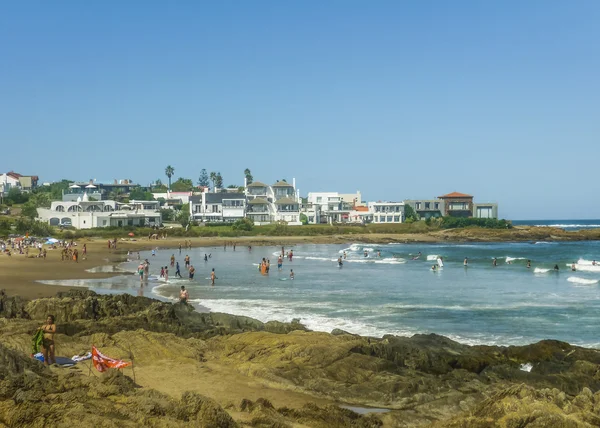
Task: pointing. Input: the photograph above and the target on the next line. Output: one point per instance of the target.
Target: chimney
(294, 182)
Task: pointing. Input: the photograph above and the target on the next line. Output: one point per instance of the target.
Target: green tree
(169, 171)
(15, 196)
(182, 185)
(203, 180)
(138, 194)
(183, 216)
(167, 214)
(213, 178)
(409, 213)
(219, 181)
(248, 174)
(243, 224)
(303, 219)
(29, 210)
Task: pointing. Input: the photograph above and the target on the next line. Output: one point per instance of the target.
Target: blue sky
(397, 99)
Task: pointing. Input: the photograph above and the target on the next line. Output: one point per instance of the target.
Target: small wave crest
(541, 270)
(432, 257)
(583, 281)
(512, 259)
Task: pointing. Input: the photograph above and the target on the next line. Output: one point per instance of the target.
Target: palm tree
(213, 178)
(169, 171)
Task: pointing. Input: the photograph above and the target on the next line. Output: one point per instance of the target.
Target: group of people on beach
(265, 264)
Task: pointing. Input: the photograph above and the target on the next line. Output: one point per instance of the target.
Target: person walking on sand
(183, 295)
(177, 271)
(213, 276)
(49, 330)
(84, 249)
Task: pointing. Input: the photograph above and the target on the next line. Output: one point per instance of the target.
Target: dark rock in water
(117, 312)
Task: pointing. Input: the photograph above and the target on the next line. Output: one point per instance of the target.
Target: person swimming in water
(433, 267)
(528, 264)
(573, 267)
(340, 263)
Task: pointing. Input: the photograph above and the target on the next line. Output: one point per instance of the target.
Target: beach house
(427, 208)
(453, 204)
(86, 214)
(387, 212)
(330, 207)
(278, 202)
(218, 207)
(99, 190)
(14, 180)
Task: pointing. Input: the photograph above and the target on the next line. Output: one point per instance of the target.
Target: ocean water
(390, 293)
(569, 225)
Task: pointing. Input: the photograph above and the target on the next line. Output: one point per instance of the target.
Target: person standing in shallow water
(494, 262)
(213, 276)
(49, 330)
(183, 295)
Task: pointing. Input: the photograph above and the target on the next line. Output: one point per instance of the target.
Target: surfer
(417, 256)
(466, 262)
(340, 264)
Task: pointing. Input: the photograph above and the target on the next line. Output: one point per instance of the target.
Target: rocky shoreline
(425, 380)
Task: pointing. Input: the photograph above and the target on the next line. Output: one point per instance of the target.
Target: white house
(25, 183)
(330, 207)
(86, 214)
(387, 212)
(279, 202)
(218, 207)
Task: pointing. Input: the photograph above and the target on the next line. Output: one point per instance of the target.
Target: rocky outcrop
(114, 313)
(33, 396)
(424, 379)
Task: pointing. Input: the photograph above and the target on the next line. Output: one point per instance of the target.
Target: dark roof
(286, 201)
(256, 184)
(217, 198)
(195, 199)
(282, 184)
(257, 201)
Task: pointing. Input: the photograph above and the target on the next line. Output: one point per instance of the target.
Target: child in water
(291, 273)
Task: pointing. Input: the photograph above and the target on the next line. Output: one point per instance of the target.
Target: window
(396, 219)
(437, 205)
(382, 219)
(389, 219)
(319, 199)
(417, 205)
(427, 205)
(215, 208)
(103, 222)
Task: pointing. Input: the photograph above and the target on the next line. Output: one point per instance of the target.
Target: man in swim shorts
(183, 295)
(192, 271)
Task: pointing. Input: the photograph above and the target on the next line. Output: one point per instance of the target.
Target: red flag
(103, 363)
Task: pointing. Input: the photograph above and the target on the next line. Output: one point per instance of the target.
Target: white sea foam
(432, 257)
(512, 259)
(541, 270)
(526, 367)
(585, 262)
(582, 281)
(545, 243)
(585, 267)
(565, 226)
(266, 310)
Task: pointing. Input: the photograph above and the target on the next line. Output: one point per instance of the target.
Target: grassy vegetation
(220, 230)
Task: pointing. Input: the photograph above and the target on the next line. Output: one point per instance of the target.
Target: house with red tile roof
(457, 204)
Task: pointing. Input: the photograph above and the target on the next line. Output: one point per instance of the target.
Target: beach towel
(36, 342)
(103, 363)
(83, 357)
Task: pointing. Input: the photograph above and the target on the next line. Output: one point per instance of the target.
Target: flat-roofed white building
(86, 214)
(387, 212)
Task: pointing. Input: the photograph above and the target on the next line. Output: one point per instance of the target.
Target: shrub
(243, 224)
